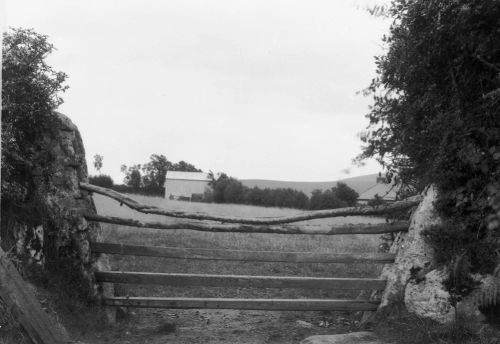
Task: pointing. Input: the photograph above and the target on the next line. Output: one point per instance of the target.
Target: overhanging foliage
(436, 115)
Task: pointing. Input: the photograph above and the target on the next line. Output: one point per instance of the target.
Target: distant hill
(359, 184)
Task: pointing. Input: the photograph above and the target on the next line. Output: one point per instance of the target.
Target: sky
(260, 89)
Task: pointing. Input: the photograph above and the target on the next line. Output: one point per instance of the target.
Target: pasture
(214, 326)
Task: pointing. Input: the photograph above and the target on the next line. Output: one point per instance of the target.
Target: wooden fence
(278, 225)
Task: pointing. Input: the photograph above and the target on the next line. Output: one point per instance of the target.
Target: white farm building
(185, 184)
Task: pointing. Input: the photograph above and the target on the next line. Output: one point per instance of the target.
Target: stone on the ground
(345, 338)
(304, 324)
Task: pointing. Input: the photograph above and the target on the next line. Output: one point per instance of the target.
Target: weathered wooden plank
(247, 304)
(317, 214)
(379, 228)
(25, 307)
(240, 255)
(241, 281)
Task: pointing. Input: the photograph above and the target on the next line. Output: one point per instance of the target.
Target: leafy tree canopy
(152, 174)
(337, 197)
(98, 161)
(30, 92)
(436, 116)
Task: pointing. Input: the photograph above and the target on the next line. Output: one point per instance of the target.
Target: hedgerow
(435, 119)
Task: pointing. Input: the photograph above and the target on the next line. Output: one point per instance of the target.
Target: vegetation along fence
(280, 225)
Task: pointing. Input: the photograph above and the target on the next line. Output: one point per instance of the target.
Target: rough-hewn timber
(25, 307)
(317, 214)
(240, 281)
(240, 255)
(378, 228)
(250, 304)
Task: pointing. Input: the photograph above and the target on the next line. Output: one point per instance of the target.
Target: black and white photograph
(246, 172)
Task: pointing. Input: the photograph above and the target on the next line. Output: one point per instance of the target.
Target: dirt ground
(215, 326)
(220, 326)
(227, 326)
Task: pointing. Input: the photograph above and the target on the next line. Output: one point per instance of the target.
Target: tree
(226, 189)
(155, 171)
(326, 199)
(98, 162)
(102, 180)
(185, 167)
(376, 201)
(437, 94)
(346, 194)
(133, 176)
(135, 179)
(30, 92)
(436, 118)
(337, 197)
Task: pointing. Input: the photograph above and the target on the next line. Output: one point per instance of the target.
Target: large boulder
(414, 257)
(416, 284)
(52, 229)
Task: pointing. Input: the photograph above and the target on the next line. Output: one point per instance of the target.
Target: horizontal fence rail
(240, 281)
(379, 228)
(247, 304)
(240, 255)
(310, 215)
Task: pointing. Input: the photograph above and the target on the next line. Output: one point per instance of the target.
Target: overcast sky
(257, 89)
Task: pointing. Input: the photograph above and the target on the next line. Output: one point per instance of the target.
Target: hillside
(359, 184)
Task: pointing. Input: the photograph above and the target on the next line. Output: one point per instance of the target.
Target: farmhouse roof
(386, 191)
(179, 175)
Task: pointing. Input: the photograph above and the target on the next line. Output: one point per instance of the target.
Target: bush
(30, 92)
(376, 201)
(435, 117)
(337, 197)
(101, 180)
(150, 191)
(227, 189)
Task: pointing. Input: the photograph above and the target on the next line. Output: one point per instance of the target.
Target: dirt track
(221, 326)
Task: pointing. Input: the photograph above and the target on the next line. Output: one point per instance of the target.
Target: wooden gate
(280, 225)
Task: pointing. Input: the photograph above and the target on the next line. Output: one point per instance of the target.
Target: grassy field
(230, 322)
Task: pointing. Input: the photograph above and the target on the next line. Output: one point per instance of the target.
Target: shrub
(227, 189)
(337, 197)
(435, 117)
(102, 180)
(376, 201)
(155, 192)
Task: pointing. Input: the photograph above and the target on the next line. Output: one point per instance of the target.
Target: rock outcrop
(415, 283)
(428, 298)
(414, 257)
(52, 230)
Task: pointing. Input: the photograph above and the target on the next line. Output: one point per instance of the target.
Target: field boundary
(239, 255)
(379, 228)
(308, 215)
(275, 225)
